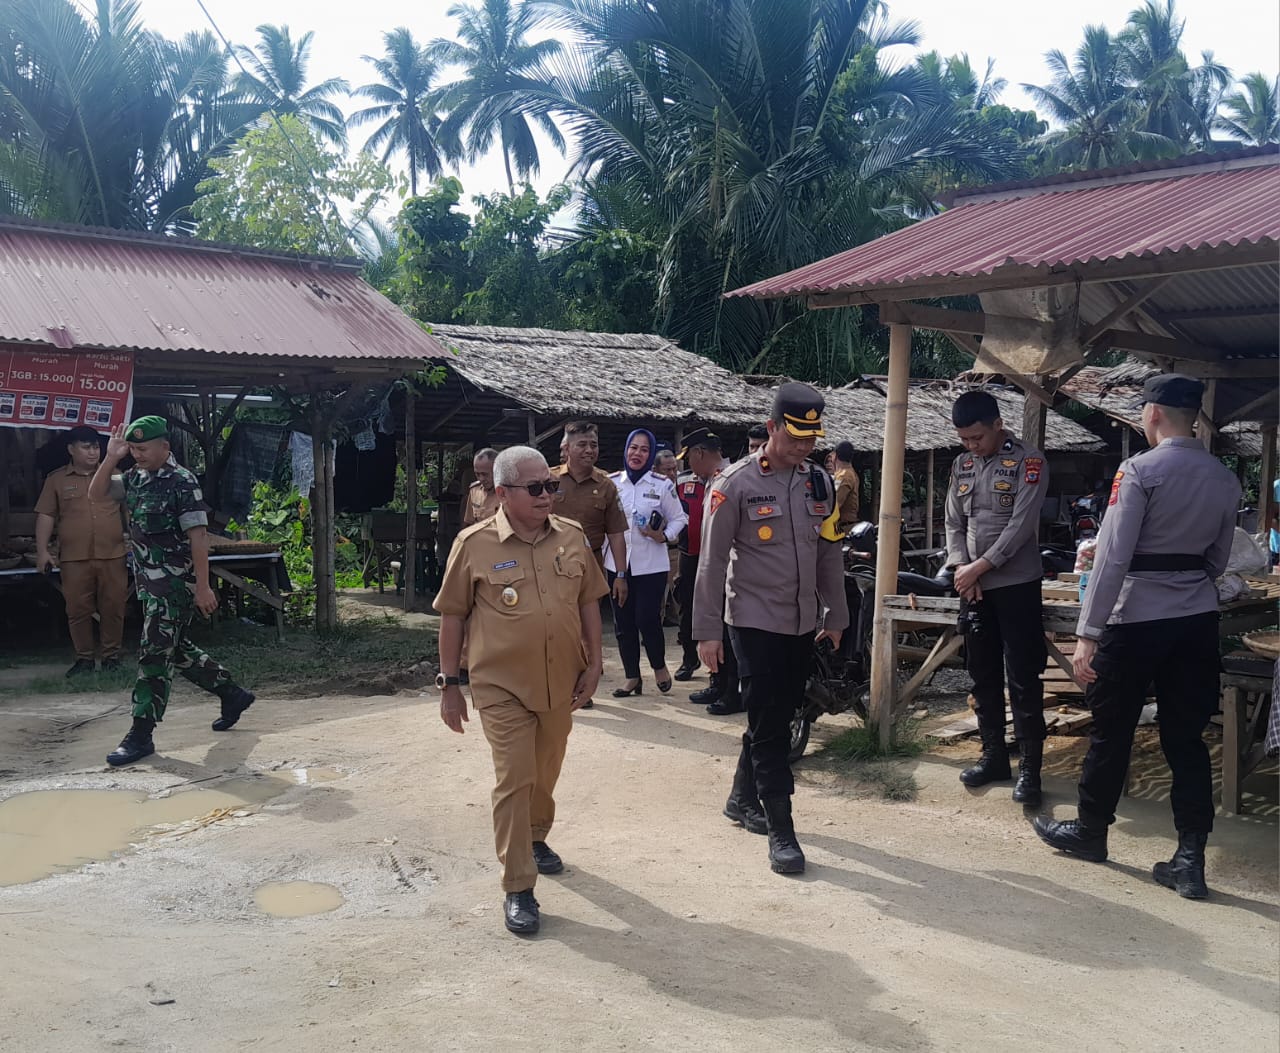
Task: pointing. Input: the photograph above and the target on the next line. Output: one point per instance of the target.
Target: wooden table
(229, 567)
(1242, 747)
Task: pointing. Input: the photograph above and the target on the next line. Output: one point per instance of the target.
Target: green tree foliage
(280, 189)
(1252, 114)
(434, 269)
(276, 78)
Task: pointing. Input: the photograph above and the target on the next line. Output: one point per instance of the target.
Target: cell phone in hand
(656, 521)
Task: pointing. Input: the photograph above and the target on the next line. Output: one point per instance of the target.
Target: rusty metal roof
(77, 287)
(1023, 233)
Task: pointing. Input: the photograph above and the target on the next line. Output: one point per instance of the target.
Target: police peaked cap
(702, 437)
(798, 408)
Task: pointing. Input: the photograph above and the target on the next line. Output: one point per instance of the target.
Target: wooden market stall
(1175, 262)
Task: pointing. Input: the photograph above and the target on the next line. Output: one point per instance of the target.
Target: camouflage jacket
(163, 505)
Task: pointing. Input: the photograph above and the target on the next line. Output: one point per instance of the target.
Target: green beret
(146, 428)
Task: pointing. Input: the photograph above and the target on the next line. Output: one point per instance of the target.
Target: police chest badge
(1003, 485)
(510, 597)
(1009, 462)
(963, 489)
(1006, 500)
(764, 532)
(1032, 466)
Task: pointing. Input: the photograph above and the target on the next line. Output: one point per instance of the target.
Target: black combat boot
(81, 667)
(707, 694)
(135, 745)
(235, 700)
(1081, 837)
(1184, 873)
(743, 806)
(993, 765)
(1027, 789)
(785, 856)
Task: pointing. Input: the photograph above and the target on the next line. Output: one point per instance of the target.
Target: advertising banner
(60, 389)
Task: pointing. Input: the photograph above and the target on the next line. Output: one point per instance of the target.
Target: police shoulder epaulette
(732, 470)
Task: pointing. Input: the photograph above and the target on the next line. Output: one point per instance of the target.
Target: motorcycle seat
(922, 586)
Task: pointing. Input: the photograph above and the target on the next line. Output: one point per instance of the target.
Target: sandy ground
(939, 924)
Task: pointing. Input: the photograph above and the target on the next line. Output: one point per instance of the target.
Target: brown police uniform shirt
(592, 504)
(847, 496)
(478, 504)
(86, 529)
(522, 601)
(761, 548)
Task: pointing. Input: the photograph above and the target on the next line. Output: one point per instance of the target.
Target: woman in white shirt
(642, 494)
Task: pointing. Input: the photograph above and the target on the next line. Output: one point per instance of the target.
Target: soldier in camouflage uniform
(171, 571)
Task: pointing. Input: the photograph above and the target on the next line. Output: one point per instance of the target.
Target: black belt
(1167, 561)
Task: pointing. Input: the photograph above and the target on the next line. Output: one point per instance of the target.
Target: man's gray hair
(487, 454)
(507, 465)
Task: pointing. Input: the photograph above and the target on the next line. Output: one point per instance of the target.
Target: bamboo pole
(929, 499)
(883, 673)
(1034, 418)
(411, 501)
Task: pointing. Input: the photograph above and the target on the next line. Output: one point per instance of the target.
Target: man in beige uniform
(526, 585)
(90, 552)
(588, 497)
(480, 501)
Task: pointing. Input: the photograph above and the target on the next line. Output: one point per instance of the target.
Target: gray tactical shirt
(993, 510)
(1174, 499)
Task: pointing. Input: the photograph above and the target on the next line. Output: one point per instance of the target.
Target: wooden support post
(1034, 417)
(1126, 437)
(410, 500)
(1266, 487)
(929, 499)
(322, 528)
(1209, 415)
(533, 429)
(883, 660)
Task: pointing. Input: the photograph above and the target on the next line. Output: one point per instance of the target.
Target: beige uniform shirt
(592, 504)
(847, 496)
(86, 529)
(521, 599)
(993, 510)
(478, 504)
(761, 548)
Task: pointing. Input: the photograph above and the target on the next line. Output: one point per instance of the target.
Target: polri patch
(1032, 466)
(1006, 500)
(1003, 485)
(716, 500)
(963, 488)
(1009, 462)
(1115, 489)
(506, 566)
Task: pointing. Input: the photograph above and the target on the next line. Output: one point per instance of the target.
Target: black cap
(702, 437)
(82, 433)
(1175, 390)
(798, 408)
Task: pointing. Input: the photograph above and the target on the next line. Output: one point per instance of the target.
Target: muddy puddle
(50, 831)
(296, 899)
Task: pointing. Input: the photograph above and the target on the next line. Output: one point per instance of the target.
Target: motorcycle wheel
(799, 737)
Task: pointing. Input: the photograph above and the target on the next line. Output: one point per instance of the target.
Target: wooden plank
(248, 587)
(957, 730)
(943, 649)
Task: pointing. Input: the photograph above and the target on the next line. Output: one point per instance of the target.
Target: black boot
(726, 705)
(1079, 836)
(743, 806)
(235, 700)
(135, 745)
(785, 856)
(993, 765)
(707, 694)
(1184, 873)
(1027, 789)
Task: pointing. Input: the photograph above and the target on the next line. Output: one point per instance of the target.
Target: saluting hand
(453, 708)
(117, 445)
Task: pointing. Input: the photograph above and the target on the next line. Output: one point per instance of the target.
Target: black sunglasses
(551, 486)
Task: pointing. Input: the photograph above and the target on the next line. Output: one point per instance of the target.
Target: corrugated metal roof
(84, 288)
(1199, 211)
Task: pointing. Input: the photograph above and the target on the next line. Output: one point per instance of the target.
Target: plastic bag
(1246, 556)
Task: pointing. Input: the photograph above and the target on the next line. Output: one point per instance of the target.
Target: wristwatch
(443, 681)
(621, 575)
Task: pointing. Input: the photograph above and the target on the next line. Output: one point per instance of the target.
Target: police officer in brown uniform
(763, 549)
(480, 501)
(91, 551)
(525, 583)
(993, 517)
(1150, 616)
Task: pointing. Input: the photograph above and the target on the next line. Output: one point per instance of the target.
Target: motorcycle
(840, 680)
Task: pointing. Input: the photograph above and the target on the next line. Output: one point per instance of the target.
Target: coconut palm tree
(401, 101)
(1253, 112)
(492, 98)
(276, 78)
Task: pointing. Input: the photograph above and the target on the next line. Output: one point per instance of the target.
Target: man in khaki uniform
(90, 552)
(846, 485)
(588, 497)
(480, 501)
(527, 586)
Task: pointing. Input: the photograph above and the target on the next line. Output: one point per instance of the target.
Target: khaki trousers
(528, 749)
(89, 586)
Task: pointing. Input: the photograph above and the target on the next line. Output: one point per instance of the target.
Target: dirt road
(940, 924)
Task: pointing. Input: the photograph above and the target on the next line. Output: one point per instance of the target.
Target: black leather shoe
(723, 707)
(1184, 873)
(548, 861)
(81, 667)
(1074, 837)
(135, 745)
(705, 695)
(686, 671)
(520, 913)
(110, 665)
(746, 814)
(1026, 790)
(234, 702)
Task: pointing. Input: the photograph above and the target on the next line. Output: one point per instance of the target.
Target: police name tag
(506, 566)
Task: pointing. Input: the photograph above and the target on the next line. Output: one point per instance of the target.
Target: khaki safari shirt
(478, 504)
(522, 600)
(593, 505)
(847, 496)
(86, 529)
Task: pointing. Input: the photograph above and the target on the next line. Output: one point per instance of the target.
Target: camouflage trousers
(165, 648)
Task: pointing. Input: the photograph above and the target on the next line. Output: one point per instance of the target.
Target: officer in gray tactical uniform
(170, 545)
(1150, 616)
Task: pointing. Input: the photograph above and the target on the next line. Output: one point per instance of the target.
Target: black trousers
(684, 597)
(1180, 657)
(774, 670)
(1010, 644)
(640, 618)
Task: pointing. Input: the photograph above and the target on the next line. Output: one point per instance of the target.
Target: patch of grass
(857, 754)
(888, 780)
(87, 683)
